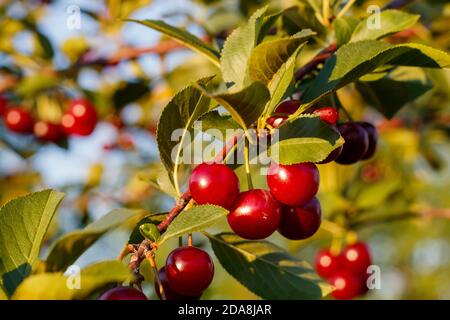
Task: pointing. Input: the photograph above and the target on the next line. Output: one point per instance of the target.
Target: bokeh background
(401, 198)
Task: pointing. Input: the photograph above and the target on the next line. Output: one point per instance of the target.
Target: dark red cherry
(300, 222)
(214, 184)
(80, 119)
(356, 142)
(256, 214)
(293, 185)
(47, 131)
(123, 293)
(19, 120)
(327, 264)
(372, 134)
(3, 105)
(347, 284)
(356, 258)
(168, 292)
(189, 271)
(287, 107)
(327, 114)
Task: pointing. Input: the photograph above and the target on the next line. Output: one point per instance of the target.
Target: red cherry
(293, 185)
(189, 271)
(356, 258)
(19, 120)
(123, 293)
(355, 145)
(168, 292)
(288, 107)
(327, 264)
(80, 119)
(372, 134)
(327, 114)
(3, 106)
(256, 214)
(348, 285)
(48, 131)
(214, 184)
(300, 222)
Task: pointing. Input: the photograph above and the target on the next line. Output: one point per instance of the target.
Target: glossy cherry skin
(168, 291)
(327, 264)
(123, 293)
(293, 185)
(301, 222)
(3, 106)
(347, 284)
(189, 271)
(355, 145)
(80, 118)
(256, 214)
(214, 184)
(19, 120)
(287, 107)
(372, 135)
(47, 131)
(327, 114)
(356, 258)
(332, 156)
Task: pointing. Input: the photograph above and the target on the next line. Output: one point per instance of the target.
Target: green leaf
(31, 85)
(213, 120)
(376, 194)
(67, 249)
(357, 59)
(184, 37)
(181, 112)
(192, 220)
(245, 106)
(158, 177)
(3, 295)
(150, 231)
(379, 95)
(343, 28)
(305, 139)
(57, 286)
(136, 236)
(238, 48)
(301, 17)
(130, 91)
(23, 224)
(392, 21)
(266, 269)
(273, 63)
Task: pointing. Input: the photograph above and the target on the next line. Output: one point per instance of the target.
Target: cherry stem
(247, 165)
(190, 242)
(150, 256)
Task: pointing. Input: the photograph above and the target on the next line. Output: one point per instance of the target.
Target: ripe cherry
(256, 214)
(3, 105)
(327, 264)
(332, 156)
(287, 107)
(300, 222)
(372, 135)
(347, 284)
(356, 258)
(19, 120)
(168, 291)
(356, 142)
(293, 185)
(123, 293)
(80, 119)
(327, 114)
(189, 271)
(214, 184)
(47, 131)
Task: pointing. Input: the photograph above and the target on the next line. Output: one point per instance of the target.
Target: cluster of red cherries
(289, 206)
(186, 275)
(346, 271)
(79, 119)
